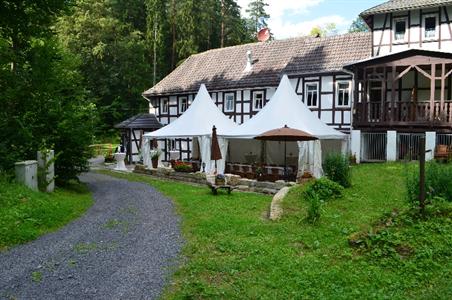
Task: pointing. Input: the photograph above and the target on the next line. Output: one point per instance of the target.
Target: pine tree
(258, 15)
(358, 25)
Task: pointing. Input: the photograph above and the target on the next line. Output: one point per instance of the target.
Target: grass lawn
(26, 214)
(232, 251)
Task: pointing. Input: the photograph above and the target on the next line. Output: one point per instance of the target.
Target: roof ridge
(304, 37)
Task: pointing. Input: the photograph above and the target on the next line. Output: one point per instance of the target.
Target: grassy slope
(26, 214)
(233, 252)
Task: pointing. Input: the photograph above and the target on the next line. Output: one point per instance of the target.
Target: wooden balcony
(404, 114)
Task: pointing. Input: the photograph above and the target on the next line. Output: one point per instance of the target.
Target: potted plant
(155, 154)
(260, 173)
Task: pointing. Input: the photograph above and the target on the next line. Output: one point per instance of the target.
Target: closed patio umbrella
(215, 152)
(285, 134)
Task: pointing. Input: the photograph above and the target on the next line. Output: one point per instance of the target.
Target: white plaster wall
(430, 144)
(327, 101)
(391, 146)
(338, 117)
(355, 144)
(327, 83)
(326, 117)
(347, 115)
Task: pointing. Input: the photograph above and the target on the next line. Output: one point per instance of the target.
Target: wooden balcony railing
(403, 113)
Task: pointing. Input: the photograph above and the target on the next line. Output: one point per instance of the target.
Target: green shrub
(315, 206)
(325, 189)
(337, 168)
(438, 183)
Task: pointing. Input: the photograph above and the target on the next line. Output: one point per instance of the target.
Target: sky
(291, 18)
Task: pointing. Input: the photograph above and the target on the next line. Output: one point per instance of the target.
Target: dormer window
(400, 29)
(430, 24)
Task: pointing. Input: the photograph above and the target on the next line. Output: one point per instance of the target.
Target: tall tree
(43, 100)
(258, 15)
(358, 25)
(329, 29)
(114, 55)
(234, 27)
(159, 38)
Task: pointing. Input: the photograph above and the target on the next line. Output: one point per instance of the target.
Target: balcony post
(393, 79)
(443, 87)
(432, 91)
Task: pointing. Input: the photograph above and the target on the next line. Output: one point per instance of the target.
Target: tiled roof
(400, 5)
(141, 121)
(224, 68)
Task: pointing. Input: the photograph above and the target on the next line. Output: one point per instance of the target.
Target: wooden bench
(214, 188)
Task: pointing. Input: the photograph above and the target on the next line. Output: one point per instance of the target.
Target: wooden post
(443, 88)
(432, 91)
(384, 95)
(422, 175)
(393, 80)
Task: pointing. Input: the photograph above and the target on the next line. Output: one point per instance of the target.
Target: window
(400, 28)
(229, 102)
(183, 104)
(430, 27)
(312, 91)
(343, 93)
(165, 106)
(258, 100)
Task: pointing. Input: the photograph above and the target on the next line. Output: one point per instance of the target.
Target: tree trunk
(222, 23)
(173, 30)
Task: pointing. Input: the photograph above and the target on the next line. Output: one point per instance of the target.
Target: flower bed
(180, 166)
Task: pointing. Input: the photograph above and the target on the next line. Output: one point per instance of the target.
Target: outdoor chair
(443, 152)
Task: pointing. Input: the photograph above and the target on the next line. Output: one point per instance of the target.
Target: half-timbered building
(404, 90)
(386, 87)
(242, 79)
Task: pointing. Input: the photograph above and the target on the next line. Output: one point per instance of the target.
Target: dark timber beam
(394, 69)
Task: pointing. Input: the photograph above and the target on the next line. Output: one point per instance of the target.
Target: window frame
(181, 104)
(307, 93)
(226, 101)
(405, 35)
(254, 93)
(424, 31)
(162, 110)
(338, 91)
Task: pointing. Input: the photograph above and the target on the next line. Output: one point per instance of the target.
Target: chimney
(249, 61)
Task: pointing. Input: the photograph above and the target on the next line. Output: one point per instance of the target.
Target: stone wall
(241, 184)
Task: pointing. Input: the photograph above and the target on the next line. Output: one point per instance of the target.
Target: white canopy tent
(197, 121)
(286, 108)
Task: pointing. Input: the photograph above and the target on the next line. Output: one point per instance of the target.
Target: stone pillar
(48, 170)
(430, 144)
(355, 144)
(391, 146)
(27, 173)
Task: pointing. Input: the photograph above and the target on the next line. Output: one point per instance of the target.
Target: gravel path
(124, 247)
